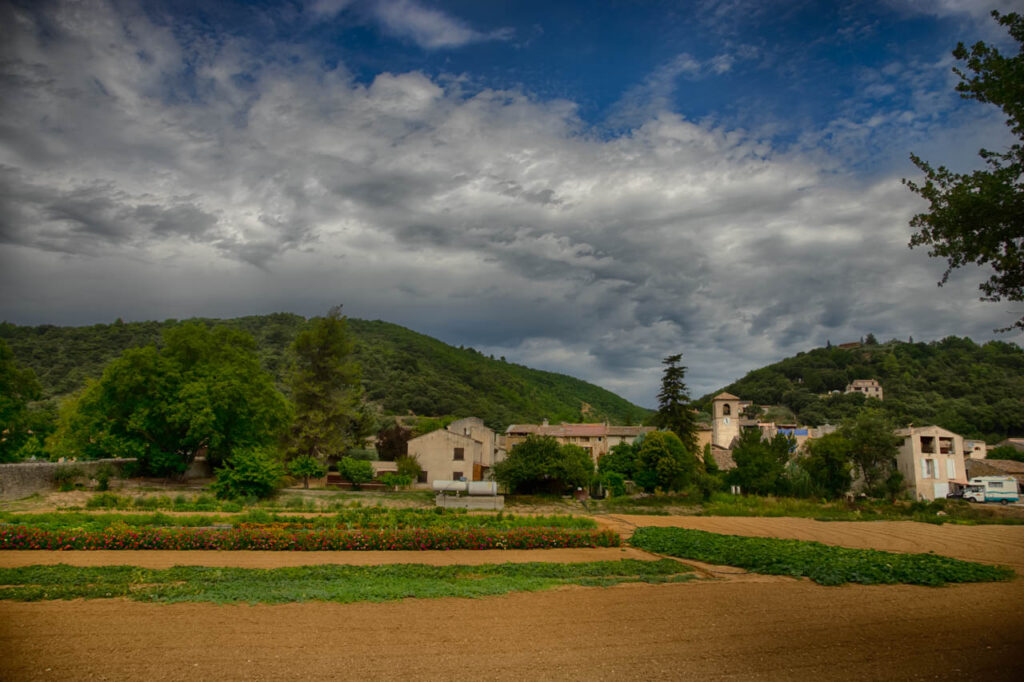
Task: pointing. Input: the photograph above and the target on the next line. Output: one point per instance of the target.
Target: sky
(583, 187)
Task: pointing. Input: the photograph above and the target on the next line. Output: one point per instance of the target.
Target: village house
(596, 439)
(930, 459)
(869, 387)
(464, 449)
(975, 449)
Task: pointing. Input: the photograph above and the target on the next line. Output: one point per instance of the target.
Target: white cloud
(430, 28)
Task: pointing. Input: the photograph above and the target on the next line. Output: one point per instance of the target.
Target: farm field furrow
(781, 630)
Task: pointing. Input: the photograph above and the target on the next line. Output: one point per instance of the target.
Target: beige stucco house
(869, 387)
(597, 439)
(464, 449)
(930, 458)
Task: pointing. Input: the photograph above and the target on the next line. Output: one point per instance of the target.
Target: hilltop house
(464, 449)
(870, 388)
(930, 458)
(596, 439)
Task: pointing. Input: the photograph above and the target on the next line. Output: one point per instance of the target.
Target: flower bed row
(20, 537)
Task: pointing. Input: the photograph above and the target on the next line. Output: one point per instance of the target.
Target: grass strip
(332, 583)
(277, 540)
(824, 564)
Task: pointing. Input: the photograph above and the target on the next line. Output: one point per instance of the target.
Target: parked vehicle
(1001, 489)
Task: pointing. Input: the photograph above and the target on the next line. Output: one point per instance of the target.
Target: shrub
(355, 471)
(103, 474)
(395, 481)
(615, 482)
(65, 476)
(306, 467)
(409, 466)
(253, 472)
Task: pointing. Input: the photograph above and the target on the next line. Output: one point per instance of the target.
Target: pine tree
(674, 409)
(329, 414)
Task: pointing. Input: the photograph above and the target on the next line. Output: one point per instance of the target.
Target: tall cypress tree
(674, 410)
(329, 414)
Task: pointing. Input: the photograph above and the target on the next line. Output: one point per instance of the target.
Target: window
(456, 475)
(995, 484)
(727, 409)
(584, 439)
(421, 477)
(460, 454)
(928, 445)
(950, 468)
(928, 468)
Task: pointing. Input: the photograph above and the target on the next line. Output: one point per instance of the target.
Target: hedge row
(21, 537)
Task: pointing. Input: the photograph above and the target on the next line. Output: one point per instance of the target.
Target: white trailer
(1001, 489)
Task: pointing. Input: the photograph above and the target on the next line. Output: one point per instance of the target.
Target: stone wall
(22, 479)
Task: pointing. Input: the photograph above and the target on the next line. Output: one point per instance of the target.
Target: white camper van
(1001, 489)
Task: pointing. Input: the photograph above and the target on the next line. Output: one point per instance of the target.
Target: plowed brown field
(779, 629)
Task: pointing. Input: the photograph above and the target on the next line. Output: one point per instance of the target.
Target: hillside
(403, 371)
(974, 390)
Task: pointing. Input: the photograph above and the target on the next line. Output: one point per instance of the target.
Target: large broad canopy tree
(330, 417)
(979, 217)
(203, 390)
(674, 410)
(541, 465)
(873, 446)
(663, 462)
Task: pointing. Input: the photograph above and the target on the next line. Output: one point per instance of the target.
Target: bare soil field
(988, 544)
(791, 630)
(730, 629)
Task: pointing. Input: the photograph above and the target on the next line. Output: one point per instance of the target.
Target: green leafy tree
(1006, 452)
(828, 463)
(249, 472)
(306, 467)
(663, 462)
(355, 471)
(873, 447)
(203, 391)
(761, 463)
(18, 387)
(540, 465)
(620, 459)
(979, 217)
(675, 412)
(409, 466)
(330, 417)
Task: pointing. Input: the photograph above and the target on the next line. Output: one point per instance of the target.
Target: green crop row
(321, 583)
(824, 564)
(352, 518)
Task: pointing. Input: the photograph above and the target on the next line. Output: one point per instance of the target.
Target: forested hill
(403, 371)
(974, 390)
